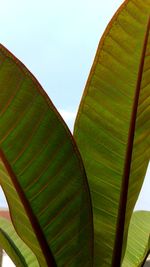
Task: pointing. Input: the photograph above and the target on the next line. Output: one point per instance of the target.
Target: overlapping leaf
(138, 244)
(112, 129)
(15, 248)
(20, 219)
(42, 172)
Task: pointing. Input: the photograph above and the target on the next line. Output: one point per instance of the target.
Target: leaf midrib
(117, 252)
(40, 236)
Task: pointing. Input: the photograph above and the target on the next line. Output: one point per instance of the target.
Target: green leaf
(112, 128)
(138, 243)
(15, 248)
(42, 173)
(19, 217)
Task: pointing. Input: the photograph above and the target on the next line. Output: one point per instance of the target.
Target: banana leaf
(41, 171)
(18, 214)
(112, 128)
(15, 248)
(138, 243)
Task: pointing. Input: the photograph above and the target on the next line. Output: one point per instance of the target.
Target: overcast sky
(57, 41)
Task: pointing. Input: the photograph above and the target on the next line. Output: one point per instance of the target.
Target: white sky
(7, 262)
(57, 41)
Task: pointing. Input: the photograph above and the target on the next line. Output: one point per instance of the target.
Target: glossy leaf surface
(138, 244)
(45, 175)
(15, 248)
(112, 128)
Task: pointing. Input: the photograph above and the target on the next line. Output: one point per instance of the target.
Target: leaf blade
(18, 214)
(138, 245)
(15, 248)
(43, 161)
(128, 159)
(103, 121)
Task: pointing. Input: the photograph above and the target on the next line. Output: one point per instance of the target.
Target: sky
(7, 262)
(57, 41)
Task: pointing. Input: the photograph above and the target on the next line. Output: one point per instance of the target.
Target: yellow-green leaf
(112, 128)
(15, 248)
(19, 216)
(138, 243)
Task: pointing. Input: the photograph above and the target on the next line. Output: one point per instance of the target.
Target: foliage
(71, 198)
